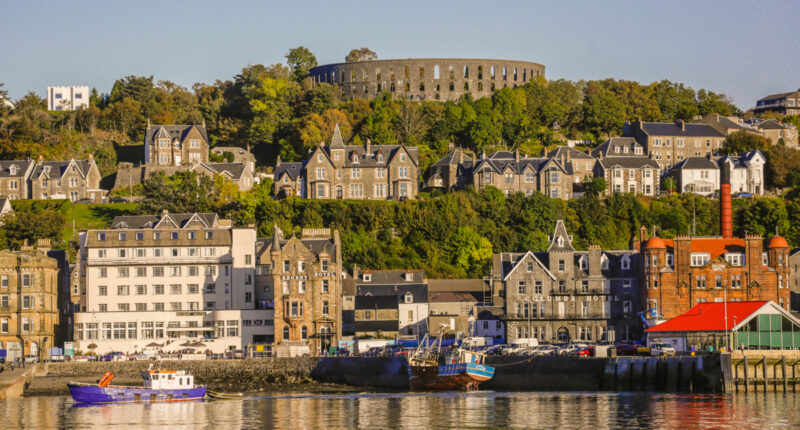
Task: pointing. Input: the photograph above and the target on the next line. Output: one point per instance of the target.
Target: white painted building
(167, 281)
(699, 175)
(746, 172)
(67, 98)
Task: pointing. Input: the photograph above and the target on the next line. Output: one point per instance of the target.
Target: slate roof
(235, 170)
(457, 285)
(696, 163)
(450, 297)
(768, 124)
(373, 302)
(510, 260)
(367, 158)
(57, 169)
(607, 148)
(673, 129)
(316, 245)
(743, 160)
(778, 96)
(150, 221)
(636, 162)
(173, 131)
(452, 158)
(294, 170)
(562, 151)
(500, 165)
(22, 167)
(391, 277)
(419, 292)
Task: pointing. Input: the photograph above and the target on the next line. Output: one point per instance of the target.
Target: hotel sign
(191, 314)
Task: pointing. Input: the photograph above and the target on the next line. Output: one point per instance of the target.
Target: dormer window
(735, 259)
(700, 259)
(670, 260)
(13, 169)
(409, 277)
(336, 156)
(616, 149)
(625, 263)
(604, 262)
(625, 149)
(367, 277)
(638, 151)
(584, 263)
(380, 158)
(355, 158)
(560, 241)
(408, 298)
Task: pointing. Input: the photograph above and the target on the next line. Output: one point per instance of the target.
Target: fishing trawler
(157, 386)
(460, 369)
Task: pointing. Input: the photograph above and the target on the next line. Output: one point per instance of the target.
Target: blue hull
(113, 394)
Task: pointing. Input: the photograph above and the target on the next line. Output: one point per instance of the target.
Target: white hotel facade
(162, 282)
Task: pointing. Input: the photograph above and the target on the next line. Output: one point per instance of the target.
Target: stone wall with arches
(426, 79)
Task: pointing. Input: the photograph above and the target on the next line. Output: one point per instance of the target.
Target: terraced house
(74, 180)
(566, 295)
(339, 171)
(626, 168)
(14, 175)
(669, 143)
(513, 173)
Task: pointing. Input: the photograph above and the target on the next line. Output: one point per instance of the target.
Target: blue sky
(744, 49)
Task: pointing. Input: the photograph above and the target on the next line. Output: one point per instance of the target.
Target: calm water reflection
(420, 411)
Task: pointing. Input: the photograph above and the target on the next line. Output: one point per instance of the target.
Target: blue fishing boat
(157, 386)
(429, 368)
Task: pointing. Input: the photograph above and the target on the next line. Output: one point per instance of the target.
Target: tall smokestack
(726, 224)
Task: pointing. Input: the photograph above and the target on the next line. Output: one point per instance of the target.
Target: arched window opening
(452, 72)
(422, 86)
(436, 72)
(524, 75)
(491, 72)
(378, 76)
(492, 88)
(391, 88)
(466, 72)
(480, 86)
(407, 73)
(407, 87)
(422, 73)
(480, 72)
(515, 73)
(505, 74)
(452, 86)
(466, 86)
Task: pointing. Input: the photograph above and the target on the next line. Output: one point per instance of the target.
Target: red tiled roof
(710, 317)
(715, 246)
(778, 242)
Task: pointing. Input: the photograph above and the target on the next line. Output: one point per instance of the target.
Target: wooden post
(794, 376)
(764, 370)
(736, 378)
(746, 376)
(783, 364)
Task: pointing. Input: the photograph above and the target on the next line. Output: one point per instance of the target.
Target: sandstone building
(670, 143)
(339, 171)
(681, 272)
(166, 280)
(14, 176)
(426, 79)
(782, 104)
(565, 295)
(626, 168)
(303, 276)
(175, 145)
(73, 179)
(30, 299)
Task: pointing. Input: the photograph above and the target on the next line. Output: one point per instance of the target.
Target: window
(562, 287)
(521, 287)
(529, 266)
(324, 307)
(141, 252)
(325, 286)
(561, 265)
(158, 289)
(626, 263)
(102, 307)
(355, 173)
(193, 288)
(174, 272)
(123, 290)
(193, 270)
(175, 252)
(158, 306)
(626, 307)
(158, 272)
(209, 235)
(123, 253)
(123, 272)
(285, 333)
(301, 286)
(175, 289)
(103, 272)
(26, 280)
(529, 177)
(735, 259)
(286, 266)
(537, 287)
(26, 325)
(764, 259)
(4, 281)
(173, 235)
(584, 286)
(102, 290)
(301, 266)
(123, 307)
(285, 285)
(157, 252)
(700, 259)
(736, 281)
(553, 177)
(123, 236)
(700, 282)
(626, 286)
(141, 290)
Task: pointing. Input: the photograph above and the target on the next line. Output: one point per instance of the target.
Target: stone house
(303, 277)
(513, 173)
(240, 174)
(565, 295)
(451, 172)
(175, 145)
(376, 316)
(74, 180)
(623, 163)
(670, 143)
(30, 322)
(289, 180)
(450, 313)
(782, 104)
(368, 172)
(775, 131)
(14, 176)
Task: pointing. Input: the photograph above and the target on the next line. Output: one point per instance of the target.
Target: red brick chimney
(725, 217)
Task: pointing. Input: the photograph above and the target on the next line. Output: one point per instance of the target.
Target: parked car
(661, 349)
(627, 349)
(586, 352)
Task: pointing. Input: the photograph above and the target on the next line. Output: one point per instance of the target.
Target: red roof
(655, 242)
(715, 246)
(778, 242)
(710, 317)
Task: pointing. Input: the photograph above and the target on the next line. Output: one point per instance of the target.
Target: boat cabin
(167, 379)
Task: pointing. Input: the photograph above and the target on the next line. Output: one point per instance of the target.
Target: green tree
(301, 61)
(782, 163)
(744, 141)
(361, 54)
(602, 111)
(31, 226)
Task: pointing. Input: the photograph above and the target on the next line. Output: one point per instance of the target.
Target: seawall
(255, 374)
(701, 374)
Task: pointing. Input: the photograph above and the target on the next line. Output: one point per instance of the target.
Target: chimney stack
(725, 217)
(367, 146)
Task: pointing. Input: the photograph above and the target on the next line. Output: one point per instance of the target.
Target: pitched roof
(294, 170)
(453, 157)
(451, 297)
(696, 163)
(572, 152)
(22, 167)
(636, 162)
(235, 170)
(178, 131)
(57, 169)
(673, 129)
(372, 302)
(777, 96)
(560, 232)
(615, 147)
(710, 317)
(714, 246)
(392, 277)
(150, 221)
(457, 285)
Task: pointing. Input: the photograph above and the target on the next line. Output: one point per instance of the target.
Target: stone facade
(169, 279)
(74, 180)
(303, 275)
(670, 143)
(407, 288)
(175, 145)
(426, 79)
(775, 131)
(369, 172)
(30, 322)
(14, 176)
(681, 272)
(622, 162)
(566, 295)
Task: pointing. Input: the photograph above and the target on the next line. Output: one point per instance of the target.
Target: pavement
(10, 380)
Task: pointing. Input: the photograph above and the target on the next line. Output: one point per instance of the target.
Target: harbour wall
(700, 374)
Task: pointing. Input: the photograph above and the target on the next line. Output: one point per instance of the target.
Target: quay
(13, 382)
(763, 371)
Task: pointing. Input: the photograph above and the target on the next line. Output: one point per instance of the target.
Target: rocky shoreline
(248, 375)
